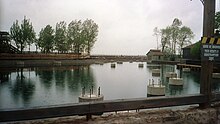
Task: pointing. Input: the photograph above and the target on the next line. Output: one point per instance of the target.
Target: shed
(154, 54)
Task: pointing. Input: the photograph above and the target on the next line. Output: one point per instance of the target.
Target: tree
(46, 39)
(175, 36)
(156, 34)
(60, 38)
(217, 20)
(165, 38)
(23, 34)
(75, 37)
(184, 38)
(90, 32)
(175, 28)
(16, 35)
(28, 34)
(36, 43)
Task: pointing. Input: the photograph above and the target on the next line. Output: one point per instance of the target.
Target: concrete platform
(91, 98)
(140, 65)
(171, 75)
(156, 72)
(113, 65)
(216, 75)
(155, 90)
(119, 62)
(176, 81)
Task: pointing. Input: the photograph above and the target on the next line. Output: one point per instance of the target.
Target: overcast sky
(125, 26)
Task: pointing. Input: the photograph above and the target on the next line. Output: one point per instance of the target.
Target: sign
(210, 48)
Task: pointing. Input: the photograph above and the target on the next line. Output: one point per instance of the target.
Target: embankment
(36, 60)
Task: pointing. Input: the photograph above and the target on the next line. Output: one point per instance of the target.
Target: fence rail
(100, 107)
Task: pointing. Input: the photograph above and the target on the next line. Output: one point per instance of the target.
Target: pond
(43, 86)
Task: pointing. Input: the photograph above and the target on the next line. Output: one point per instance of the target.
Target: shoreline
(63, 62)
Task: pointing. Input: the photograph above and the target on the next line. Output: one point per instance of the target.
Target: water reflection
(23, 87)
(4, 76)
(60, 79)
(44, 86)
(45, 75)
(175, 90)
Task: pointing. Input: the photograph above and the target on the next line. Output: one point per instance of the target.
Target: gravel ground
(154, 116)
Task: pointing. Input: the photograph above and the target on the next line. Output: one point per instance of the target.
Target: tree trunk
(29, 48)
(22, 48)
(89, 47)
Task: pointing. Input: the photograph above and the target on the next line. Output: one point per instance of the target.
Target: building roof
(190, 46)
(155, 52)
(4, 33)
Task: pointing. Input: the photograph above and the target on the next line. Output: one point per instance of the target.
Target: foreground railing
(100, 107)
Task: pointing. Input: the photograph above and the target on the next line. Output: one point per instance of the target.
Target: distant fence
(121, 57)
(41, 56)
(67, 56)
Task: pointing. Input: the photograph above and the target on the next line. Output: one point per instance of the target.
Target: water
(43, 86)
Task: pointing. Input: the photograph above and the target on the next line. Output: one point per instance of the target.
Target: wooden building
(5, 46)
(154, 55)
(186, 52)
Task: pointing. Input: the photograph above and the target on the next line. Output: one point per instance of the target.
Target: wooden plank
(188, 65)
(43, 112)
(98, 107)
(165, 62)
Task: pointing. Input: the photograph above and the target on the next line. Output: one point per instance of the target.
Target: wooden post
(205, 85)
(207, 65)
(88, 117)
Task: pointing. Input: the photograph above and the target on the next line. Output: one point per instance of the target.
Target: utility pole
(207, 65)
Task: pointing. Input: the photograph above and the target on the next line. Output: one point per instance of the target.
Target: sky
(125, 26)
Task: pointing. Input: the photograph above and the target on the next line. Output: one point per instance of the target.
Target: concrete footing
(140, 65)
(171, 75)
(91, 98)
(216, 75)
(176, 81)
(155, 90)
(113, 65)
(156, 72)
(119, 62)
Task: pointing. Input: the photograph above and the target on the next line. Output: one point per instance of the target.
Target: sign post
(210, 51)
(207, 55)
(210, 48)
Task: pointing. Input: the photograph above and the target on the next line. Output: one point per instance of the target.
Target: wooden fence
(103, 106)
(41, 56)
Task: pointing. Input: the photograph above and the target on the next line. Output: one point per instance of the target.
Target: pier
(191, 67)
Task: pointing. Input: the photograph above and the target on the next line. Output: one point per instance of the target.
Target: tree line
(174, 37)
(76, 37)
